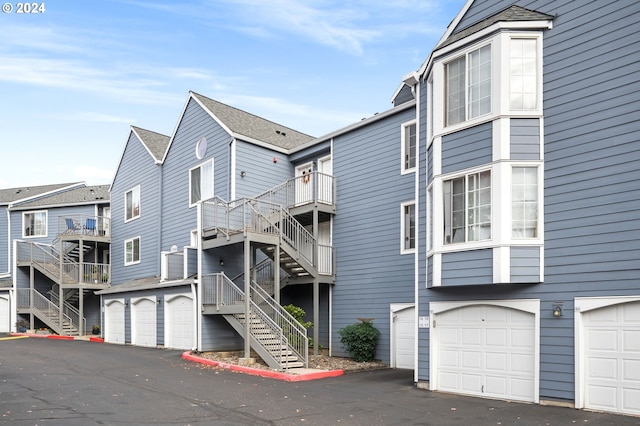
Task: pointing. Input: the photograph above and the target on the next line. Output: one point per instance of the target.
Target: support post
(276, 273)
(247, 305)
(316, 314)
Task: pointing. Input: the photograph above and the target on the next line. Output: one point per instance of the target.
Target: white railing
(301, 190)
(33, 300)
(97, 273)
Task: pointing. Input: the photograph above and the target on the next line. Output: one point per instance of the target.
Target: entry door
(106, 221)
(325, 183)
(304, 184)
(324, 248)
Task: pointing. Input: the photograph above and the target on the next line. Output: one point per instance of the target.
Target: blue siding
(136, 168)
(467, 268)
(262, 172)
(525, 139)
(467, 148)
(178, 219)
(371, 273)
(525, 264)
(218, 335)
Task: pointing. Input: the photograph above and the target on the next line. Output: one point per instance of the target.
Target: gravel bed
(320, 362)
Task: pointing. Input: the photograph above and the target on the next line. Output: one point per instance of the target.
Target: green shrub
(359, 340)
(298, 313)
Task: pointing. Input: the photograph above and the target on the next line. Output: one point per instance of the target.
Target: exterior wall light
(557, 310)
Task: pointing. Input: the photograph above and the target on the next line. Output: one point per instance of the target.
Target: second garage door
(143, 322)
(611, 357)
(486, 350)
(114, 321)
(179, 329)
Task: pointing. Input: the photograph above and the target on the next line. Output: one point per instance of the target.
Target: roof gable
(155, 143)
(250, 127)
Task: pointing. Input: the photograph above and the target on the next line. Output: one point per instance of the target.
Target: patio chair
(71, 226)
(90, 226)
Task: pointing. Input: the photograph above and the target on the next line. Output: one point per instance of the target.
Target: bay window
(468, 86)
(523, 73)
(524, 202)
(467, 208)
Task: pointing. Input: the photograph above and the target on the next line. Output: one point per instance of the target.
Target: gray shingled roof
(245, 124)
(510, 14)
(155, 142)
(78, 196)
(14, 194)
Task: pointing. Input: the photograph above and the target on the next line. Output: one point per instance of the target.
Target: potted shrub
(95, 329)
(22, 325)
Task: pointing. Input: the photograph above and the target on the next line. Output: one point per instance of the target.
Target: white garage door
(404, 338)
(179, 329)
(143, 322)
(114, 322)
(5, 322)
(612, 358)
(486, 350)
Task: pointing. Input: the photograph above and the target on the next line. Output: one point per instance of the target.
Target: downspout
(198, 299)
(417, 252)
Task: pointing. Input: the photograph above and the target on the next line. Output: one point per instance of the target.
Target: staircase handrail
(224, 288)
(46, 254)
(259, 216)
(264, 275)
(298, 340)
(28, 298)
(68, 309)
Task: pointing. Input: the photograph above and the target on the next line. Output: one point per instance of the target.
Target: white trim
(46, 223)
(526, 305)
(132, 189)
(233, 172)
(403, 143)
(203, 197)
(403, 224)
(502, 265)
(133, 262)
(581, 306)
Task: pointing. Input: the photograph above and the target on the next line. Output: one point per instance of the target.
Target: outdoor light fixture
(557, 310)
(221, 262)
(243, 173)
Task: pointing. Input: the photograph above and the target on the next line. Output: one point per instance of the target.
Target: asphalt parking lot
(57, 382)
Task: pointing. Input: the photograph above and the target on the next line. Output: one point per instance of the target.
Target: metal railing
(43, 307)
(97, 273)
(292, 329)
(97, 226)
(219, 290)
(69, 310)
(264, 275)
(258, 216)
(48, 258)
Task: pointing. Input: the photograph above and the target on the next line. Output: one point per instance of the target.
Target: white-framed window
(132, 251)
(524, 202)
(201, 182)
(409, 146)
(468, 86)
(523, 73)
(408, 227)
(34, 224)
(467, 208)
(132, 204)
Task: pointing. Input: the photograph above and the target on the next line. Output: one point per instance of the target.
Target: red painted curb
(55, 336)
(263, 373)
(96, 339)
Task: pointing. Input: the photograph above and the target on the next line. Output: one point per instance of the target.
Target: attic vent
(281, 133)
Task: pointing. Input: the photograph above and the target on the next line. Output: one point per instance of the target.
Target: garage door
(5, 322)
(612, 358)
(143, 322)
(403, 338)
(486, 350)
(114, 322)
(179, 329)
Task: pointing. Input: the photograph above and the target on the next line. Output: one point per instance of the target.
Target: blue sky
(75, 78)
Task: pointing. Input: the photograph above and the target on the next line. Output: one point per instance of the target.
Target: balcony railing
(301, 190)
(95, 226)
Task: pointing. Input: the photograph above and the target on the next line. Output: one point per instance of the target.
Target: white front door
(114, 322)
(106, 221)
(403, 336)
(143, 322)
(611, 358)
(485, 350)
(304, 184)
(179, 329)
